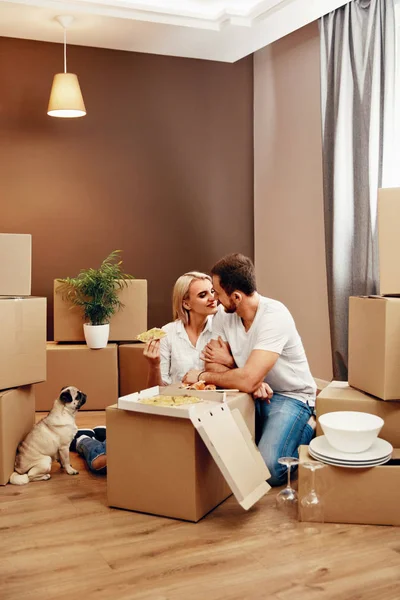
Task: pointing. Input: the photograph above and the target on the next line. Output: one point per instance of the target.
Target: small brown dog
(49, 440)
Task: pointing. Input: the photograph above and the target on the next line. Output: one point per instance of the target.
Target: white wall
(289, 223)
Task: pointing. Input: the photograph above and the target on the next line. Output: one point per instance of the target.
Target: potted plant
(96, 292)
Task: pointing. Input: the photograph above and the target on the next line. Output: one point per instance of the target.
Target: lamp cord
(65, 50)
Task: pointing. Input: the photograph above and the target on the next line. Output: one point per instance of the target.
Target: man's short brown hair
(235, 272)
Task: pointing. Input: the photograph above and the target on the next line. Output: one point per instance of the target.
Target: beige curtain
(357, 94)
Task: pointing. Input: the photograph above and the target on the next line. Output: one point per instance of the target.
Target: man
(267, 353)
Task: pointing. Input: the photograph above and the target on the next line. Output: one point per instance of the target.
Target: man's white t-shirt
(177, 353)
(273, 329)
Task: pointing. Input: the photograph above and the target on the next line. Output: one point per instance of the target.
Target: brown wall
(289, 222)
(161, 167)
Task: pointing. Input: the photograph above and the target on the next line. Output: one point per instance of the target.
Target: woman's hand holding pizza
(152, 352)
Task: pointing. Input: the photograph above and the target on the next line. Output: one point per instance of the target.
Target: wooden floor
(59, 540)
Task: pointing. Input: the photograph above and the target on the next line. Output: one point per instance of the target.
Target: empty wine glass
(311, 505)
(287, 498)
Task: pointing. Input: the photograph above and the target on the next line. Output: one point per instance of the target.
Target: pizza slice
(170, 400)
(151, 334)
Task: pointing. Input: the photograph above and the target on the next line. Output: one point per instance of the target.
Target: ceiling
(222, 30)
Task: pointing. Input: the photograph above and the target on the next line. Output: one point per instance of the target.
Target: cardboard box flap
(229, 442)
(371, 296)
(378, 297)
(389, 241)
(133, 401)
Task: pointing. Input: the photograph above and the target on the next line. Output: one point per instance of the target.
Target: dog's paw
(72, 471)
(46, 477)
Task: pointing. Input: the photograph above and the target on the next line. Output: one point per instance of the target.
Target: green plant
(96, 290)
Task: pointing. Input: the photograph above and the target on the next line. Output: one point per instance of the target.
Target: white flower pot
(96, 336)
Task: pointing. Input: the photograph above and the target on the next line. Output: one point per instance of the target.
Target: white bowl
(350, 431)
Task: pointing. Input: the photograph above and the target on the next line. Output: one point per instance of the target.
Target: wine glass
(311, 505)
(287, 498)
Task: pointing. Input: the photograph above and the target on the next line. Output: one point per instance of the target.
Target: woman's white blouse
(177, 353)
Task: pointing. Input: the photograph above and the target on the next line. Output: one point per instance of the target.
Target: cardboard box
(125, 324)
(389, 241)
(374, 346)
(17, 417)
(321, 384)
(22, 341)
(95, 372)
(365, 496)
(338, 395)
(15, 264)
(133, 368)
(160, 465)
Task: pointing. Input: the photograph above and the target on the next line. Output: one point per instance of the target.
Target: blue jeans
(90, 448)
(281, 427)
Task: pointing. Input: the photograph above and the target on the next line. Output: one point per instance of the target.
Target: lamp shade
(66, 98)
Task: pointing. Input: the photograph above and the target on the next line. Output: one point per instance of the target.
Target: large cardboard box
(133, 368)
(125, 324)
(374, 346)
(365, 496)
(160, 465)
(22, 341)
(95, 372)
(15, 264)
(17, 417)
(389, 241)
(338, 395)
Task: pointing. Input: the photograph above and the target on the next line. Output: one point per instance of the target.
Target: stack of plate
(378, 454)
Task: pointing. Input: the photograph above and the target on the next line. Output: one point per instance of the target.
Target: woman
(193, 305)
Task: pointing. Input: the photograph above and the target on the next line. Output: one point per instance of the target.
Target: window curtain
(358, 54)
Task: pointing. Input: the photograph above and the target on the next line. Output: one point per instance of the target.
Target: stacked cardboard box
(22, 346)
(373, 386)
(96, 372)
(374, 322)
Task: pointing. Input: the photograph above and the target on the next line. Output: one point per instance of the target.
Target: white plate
(333, 463)
(379, 450)
(344, 461)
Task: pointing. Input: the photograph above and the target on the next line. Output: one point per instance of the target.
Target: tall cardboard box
(133, 368)
(95, 372)
(374, 346)
(389, 241)
(365, 496)
(15, 264)
(17, 417)
(22, 341)
(338, 395)
(125, 324)
(160, 465)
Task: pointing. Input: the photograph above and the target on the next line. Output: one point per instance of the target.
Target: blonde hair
(181, 293)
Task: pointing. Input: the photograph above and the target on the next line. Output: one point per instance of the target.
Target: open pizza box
(135, 401)
(218, 420)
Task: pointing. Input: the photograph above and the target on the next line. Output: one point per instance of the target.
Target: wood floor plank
(60, 540)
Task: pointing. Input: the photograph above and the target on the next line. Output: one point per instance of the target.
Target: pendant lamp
(66, 98)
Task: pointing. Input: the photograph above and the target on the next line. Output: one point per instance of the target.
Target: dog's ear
(66, 396)
(81, 397)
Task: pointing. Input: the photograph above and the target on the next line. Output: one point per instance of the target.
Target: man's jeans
(90, 448)
(281, 427)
